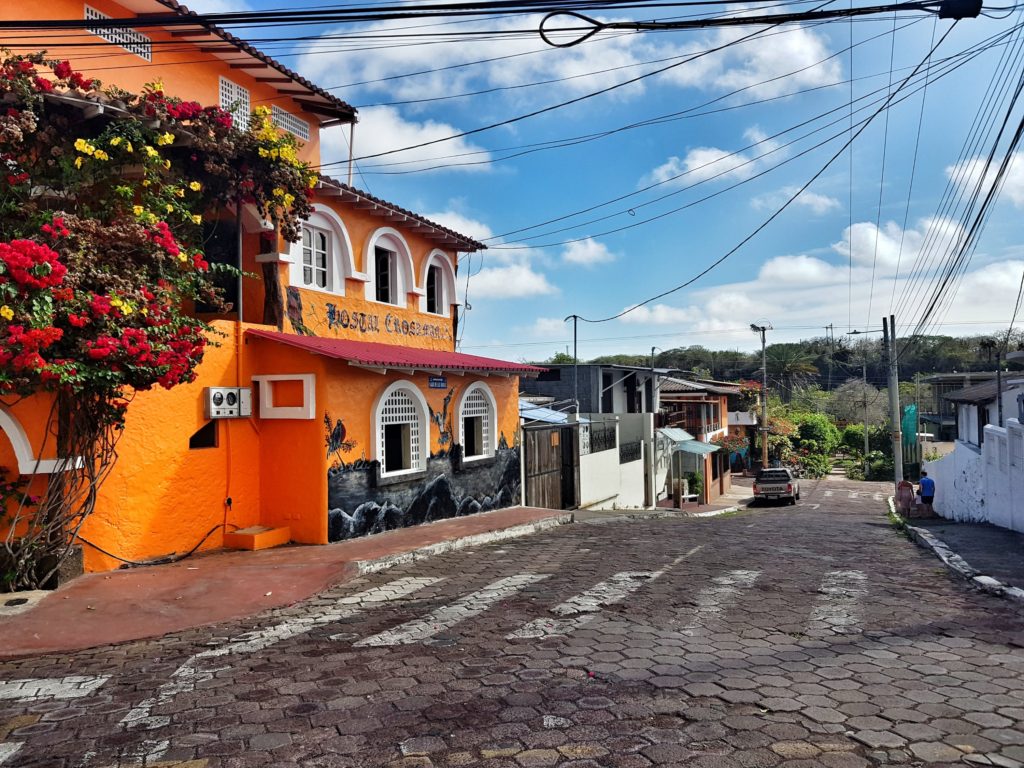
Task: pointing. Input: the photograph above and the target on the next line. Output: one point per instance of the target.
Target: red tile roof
(387, 356)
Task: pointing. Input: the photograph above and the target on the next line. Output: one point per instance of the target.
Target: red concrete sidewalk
(104, 608)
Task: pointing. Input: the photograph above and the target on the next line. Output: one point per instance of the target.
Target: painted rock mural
(358, 508)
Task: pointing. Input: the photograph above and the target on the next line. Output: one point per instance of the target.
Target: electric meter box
(228, 402)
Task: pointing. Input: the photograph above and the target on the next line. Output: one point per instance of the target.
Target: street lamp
(761, 329)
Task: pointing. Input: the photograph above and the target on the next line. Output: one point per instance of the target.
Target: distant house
(977, 406)
(940, 416)
(701, 408)
(601, 388)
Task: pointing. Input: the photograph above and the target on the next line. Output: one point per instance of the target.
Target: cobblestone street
(812, 635)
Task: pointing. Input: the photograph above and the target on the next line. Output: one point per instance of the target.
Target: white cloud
(704, 163)
(587, 252)
(505, 274)
(383, 129)
(660, 314)
(801, 293)
(816, 203)
(965, 175)
(546, 327)
(516, 60)
(880, 249)
(218, 6)
(515, 281)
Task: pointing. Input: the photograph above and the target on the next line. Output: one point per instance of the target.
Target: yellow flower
(128, 147)
(164, 139)
(146, 182)
(83, 146)
(78, 162)
(179, 192)
(197, 218)
(313, 180)
(278, 192)
(167, 164)
(289, 199)
(6, 312)
(195, 186)
(150, 152)
(182, 257)
(99, 154)
(144, 311)
(137, 210)
(169, 207)
(116, 302)
(127, 308)
(115, 141)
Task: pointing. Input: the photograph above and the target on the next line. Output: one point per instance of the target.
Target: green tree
(793, 365)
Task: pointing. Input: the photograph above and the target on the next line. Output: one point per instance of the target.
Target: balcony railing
(629, 452)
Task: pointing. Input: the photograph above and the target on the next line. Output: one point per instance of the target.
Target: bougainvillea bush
(103, 194)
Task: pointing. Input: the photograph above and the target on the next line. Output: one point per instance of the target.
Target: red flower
(42, 84)
(100, 305)
(31, 265)
(63, 70)
(78, 81)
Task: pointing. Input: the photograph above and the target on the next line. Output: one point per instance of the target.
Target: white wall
(631, 483)
(959, 484)
(599, 479)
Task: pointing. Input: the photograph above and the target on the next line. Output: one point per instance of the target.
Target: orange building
(345, 409)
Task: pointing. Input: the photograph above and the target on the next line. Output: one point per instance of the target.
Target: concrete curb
(442, 547)
(927, 540)
(673, 514)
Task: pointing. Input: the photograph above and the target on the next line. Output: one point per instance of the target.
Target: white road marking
(854, 494)
(8, 750)
(840, 604)
(829, 493)
(189, 674)
(876, 496)
(712, 601)
(815, 506)
(448, 616)
(60, 688)
(582, 609)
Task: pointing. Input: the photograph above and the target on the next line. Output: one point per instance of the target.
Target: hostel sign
(370, 323)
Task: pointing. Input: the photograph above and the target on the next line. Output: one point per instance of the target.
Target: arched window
(402, 435)
(438, 283)
(388, 265)
(322, 258)
(478, 422)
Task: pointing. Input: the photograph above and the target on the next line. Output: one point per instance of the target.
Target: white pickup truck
(777, 483)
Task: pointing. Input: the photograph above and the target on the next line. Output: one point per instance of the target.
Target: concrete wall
(631, 483)
(959, 484)
(599, 479)
(1003, 457)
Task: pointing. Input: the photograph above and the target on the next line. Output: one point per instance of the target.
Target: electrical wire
(785, 205)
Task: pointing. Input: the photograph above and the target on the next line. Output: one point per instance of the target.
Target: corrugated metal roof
(374, 355)
(531, 412)
(980, 393)
(675, 434)
(697, 447)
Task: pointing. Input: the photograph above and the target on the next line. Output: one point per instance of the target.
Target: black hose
(175, 558)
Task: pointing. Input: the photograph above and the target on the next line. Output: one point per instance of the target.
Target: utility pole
(895, 417)
(999, 384)
(867, 442)
(830, 338)
(575, 365)
(761, 329)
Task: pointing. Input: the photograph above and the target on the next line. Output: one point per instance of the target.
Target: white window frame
(419, 437)
(236, 100)
(402, 282)
(438, 258)
(339, 266)
(470, 402)
(311, 254)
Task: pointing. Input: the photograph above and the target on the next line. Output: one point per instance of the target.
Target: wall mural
(358, 506)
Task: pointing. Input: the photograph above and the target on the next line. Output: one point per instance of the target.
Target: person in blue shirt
(927, 488)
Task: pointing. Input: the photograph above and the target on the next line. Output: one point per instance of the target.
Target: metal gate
(551, 454)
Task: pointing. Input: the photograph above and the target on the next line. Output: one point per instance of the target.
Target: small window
(384, 275)
(316, 252)
(478, 419)
(235, 99)
(402, 432)
(205, 437)
(435, 302)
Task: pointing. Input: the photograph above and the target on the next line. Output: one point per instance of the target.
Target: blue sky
(796, 274)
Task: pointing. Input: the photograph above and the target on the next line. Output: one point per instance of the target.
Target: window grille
(602, 439)
(235, 99)
(1001, 447)
(289, 122)
(401, 408)
(316, 251)
(476, 404)
(629, 452)
(129, 39)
